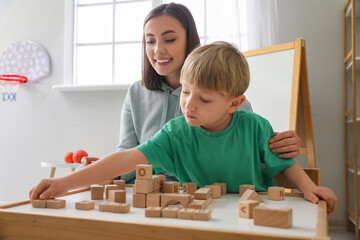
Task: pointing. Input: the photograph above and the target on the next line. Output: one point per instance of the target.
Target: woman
(169, 36)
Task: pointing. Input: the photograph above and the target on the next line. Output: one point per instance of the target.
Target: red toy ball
(68, 158)
(78, 155)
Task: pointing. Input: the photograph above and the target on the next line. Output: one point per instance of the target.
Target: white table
(54, 165)
(309, 222)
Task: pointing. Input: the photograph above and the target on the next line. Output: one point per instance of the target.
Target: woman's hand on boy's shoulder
(324, 193)
(287, 143)
(88, 160)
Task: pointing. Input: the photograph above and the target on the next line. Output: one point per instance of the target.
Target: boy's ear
(235, 103)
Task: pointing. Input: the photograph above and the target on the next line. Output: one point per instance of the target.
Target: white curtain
(250, 24)
(262, 22)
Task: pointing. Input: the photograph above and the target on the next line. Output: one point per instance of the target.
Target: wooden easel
(300, 111)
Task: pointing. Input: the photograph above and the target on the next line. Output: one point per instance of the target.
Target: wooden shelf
(351, 120)
(349, 65)
(352, 171)
(357, 9)
(353, 221)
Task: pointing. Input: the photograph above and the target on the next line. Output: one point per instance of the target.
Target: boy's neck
(221, 126)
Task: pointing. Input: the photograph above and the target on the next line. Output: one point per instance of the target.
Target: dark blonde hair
(150, 78)
(218, 66)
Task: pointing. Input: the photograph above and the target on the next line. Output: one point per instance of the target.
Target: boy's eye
(184, 92)
(205, 101)
(170, 40)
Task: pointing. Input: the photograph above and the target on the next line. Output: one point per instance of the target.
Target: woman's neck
(173, 80)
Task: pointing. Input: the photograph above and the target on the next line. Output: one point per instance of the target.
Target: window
(106, 35)
(219, 21)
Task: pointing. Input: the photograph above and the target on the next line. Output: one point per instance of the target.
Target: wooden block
(169, 212)
(85, 205)
(153, 212)
(198, 204)
(281, 218)
(189, 187)
(202, 214)
(276, 193)
(208, 201)
(37, 203)
(244, 187)
(97, 192)
(171, 187)
(156, 182)
(251, 195)
(118, 196)
(223, 188)
(203, 193)
(106, 182)
(55, 203)
(173, 198)
(144, 172)
(105, 206)
(246, 208)
(144, 186)
(110, 187)
(162, 179)
(139, 200)
(120, 183)
(153, 200)
(120, 207)
(216, 191)
(186, 213)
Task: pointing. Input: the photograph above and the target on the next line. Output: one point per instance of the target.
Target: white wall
(320, 23)
(45, 124)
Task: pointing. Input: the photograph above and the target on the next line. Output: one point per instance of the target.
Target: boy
(212, 142)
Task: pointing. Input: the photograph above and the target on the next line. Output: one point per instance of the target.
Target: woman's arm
(110, 166)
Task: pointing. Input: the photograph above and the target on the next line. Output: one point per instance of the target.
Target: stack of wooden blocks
(249, 207)
(114, 192)
(155, 194)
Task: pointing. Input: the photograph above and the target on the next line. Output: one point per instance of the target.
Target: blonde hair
(218, 66)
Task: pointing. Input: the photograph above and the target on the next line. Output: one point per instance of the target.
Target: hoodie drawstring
(165, 108)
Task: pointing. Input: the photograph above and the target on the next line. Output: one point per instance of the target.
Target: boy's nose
(190, 106)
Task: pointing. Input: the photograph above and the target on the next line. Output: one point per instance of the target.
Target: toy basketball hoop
(9, 85)
(23, 61)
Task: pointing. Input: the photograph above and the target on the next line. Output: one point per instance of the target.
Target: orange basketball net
(9, 85)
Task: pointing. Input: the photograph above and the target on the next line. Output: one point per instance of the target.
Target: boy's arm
(297, 176)
(110, 166)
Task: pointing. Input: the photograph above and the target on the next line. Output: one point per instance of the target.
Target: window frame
(70, 47)
(69, 83)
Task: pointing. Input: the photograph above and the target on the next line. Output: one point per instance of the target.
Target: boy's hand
(287, 143)
(323, 193)
(48, 188)
(88, 160)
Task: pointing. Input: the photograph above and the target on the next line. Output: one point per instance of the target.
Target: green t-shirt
(236, 155)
